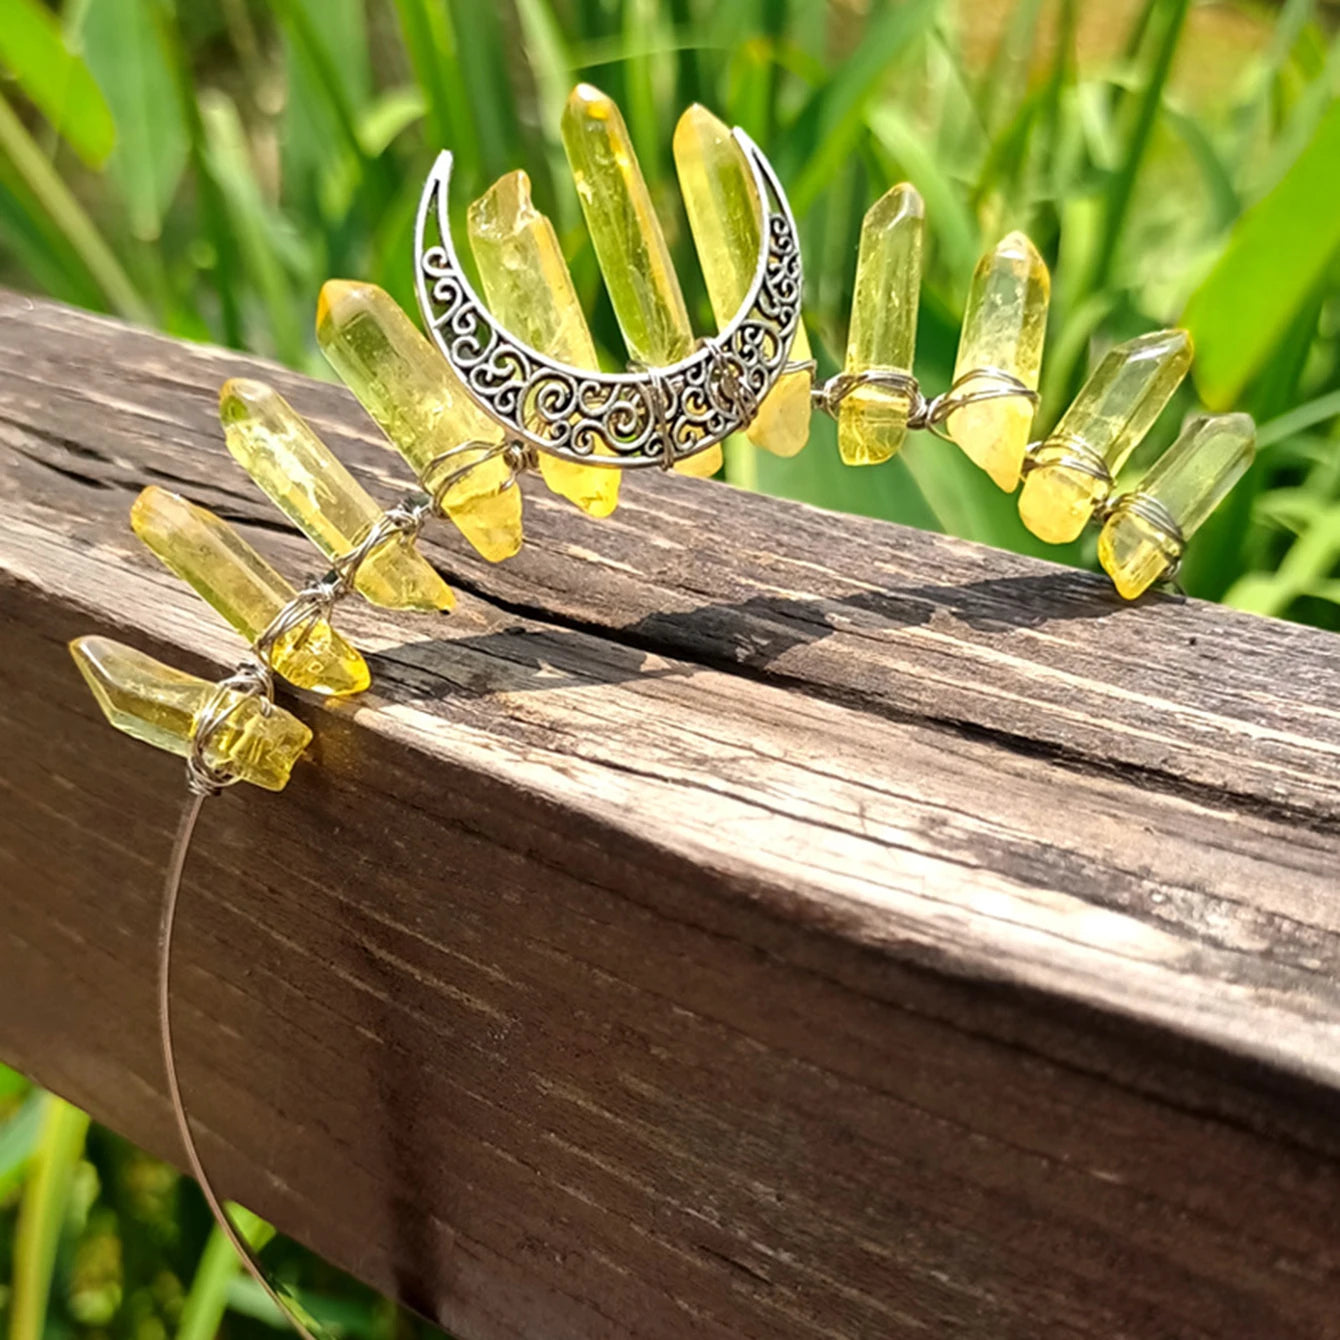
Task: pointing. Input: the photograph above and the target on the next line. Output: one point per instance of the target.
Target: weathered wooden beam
(735, 920)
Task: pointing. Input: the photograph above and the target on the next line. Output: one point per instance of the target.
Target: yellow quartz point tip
(725, 216)
(1114, 409)
(528, 286)
(417, 400)
(158, 704)
(629, 244)
(1186, 484)
(209, 555)
(872, 421)
(1004, 325)
(303, 479)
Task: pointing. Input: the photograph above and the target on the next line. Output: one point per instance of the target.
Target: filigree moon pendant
(654, 417)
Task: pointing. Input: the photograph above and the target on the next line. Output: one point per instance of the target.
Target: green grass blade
(482, 72)
(1166, 21)
(956, 231)
(255, 228)
(207, 1299)
(42, 1216)
(1274, 260)
(127, 56)
(1298, 420)
(830, 125)
(68, 215)
(214, 224)
(41, 252)
(33, 49)
(18, 1142)
(640, 100)
(324, 73)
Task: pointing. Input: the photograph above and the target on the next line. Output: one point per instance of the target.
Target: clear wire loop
(448, 468)
(829, 396)
(995, 384)
(932, 414)
(1069, 453)
(251, 679)
(1150, 510)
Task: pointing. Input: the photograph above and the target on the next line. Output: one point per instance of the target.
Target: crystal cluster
(247, 737)
(456, 451)
(461, 457)
(1069, 478)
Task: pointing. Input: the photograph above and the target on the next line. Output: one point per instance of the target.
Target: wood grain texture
(735, 920)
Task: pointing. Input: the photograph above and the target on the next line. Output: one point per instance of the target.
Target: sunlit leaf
(34, 51)
(1274, 259)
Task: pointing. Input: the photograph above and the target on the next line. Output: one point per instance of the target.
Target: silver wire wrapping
(1148, 509)
(1075, 454)
(254, 678)
(921, 413)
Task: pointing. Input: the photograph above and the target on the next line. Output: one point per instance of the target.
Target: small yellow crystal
(1004, 325)
(872, 420)
(725, 217)
(417, 400)
(529, 289)
(157, 704)
(1115, 408)
(1188, 481)
(629, 244)
(209, 555)
(305, 481)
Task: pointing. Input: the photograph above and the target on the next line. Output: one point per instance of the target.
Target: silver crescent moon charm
(656, 417)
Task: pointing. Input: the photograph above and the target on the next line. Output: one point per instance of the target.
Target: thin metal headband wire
(253, 678)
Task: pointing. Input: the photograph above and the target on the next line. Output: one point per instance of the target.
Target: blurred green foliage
(205, 166)
(202, 166)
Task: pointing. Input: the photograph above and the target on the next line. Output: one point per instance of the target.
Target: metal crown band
(618, 419)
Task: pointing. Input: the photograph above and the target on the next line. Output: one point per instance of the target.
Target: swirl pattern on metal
(654, 417)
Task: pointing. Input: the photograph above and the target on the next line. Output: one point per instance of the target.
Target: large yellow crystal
(872, 420)
(1004, 326)
(629, 244)
(529, 289)
(1188, 481)
(157, 704)
(417, 400)
(209, 555)
(305, 481)
(725, 216)
(1114, 409)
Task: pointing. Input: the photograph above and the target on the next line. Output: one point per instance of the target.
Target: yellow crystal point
(1004, 325)
(872, 420)
(529, 289)
(157, 704)
(209, 555)
(725, 217)
(1114, 409)
(629, 244)
(305, 481)
(1187, 483)
(416, 399)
